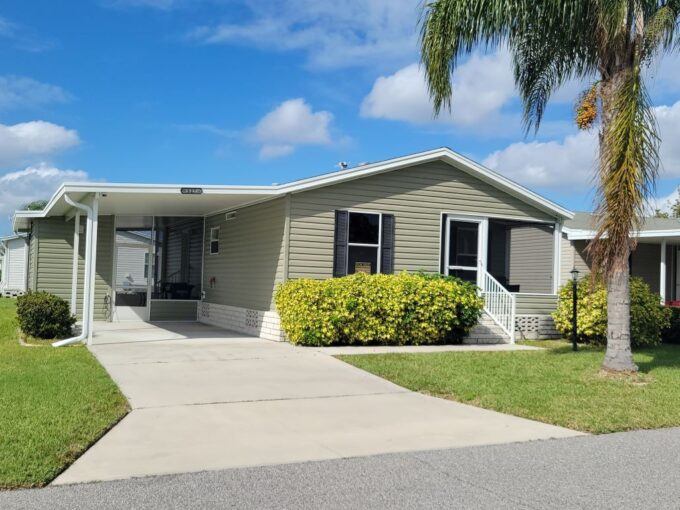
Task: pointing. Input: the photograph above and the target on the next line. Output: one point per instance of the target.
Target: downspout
(87, 277)
(74, 276)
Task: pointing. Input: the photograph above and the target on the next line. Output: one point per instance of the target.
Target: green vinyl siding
(53, 240)
(416, 196)
(535, 304)
(250, 262)
(531, 258)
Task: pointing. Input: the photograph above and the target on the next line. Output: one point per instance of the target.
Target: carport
(153, 227)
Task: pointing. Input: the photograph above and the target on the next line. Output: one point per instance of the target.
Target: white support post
(93, 265)
(662, 273)
(557, 255)
(74, 276)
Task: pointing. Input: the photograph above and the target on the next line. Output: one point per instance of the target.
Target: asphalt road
(628, 470)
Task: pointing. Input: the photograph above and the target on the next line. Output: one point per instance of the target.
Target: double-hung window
(364, 243)
(214, 240)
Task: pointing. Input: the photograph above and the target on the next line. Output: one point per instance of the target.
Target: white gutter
(87, 279)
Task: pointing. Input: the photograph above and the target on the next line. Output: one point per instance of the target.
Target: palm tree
(607, 43)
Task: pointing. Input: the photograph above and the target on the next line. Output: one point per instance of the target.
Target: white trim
(482, 240)
(557, 256)
(211, 240)
(365, 245)
(203, 261)
(92, 281)
(584, 235)
(662, 273)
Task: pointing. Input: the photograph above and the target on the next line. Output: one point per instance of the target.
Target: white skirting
(535, 327)
(265, 324)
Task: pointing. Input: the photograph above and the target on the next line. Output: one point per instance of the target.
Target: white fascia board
(586, 235)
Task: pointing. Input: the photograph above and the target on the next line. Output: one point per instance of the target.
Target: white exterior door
(466, 239)
(15, 266)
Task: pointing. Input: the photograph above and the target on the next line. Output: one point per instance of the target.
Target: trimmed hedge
(648, 318)
(671, 335)
(378, 309)
(44, 315)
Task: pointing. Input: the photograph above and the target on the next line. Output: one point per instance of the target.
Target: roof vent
(343, 165)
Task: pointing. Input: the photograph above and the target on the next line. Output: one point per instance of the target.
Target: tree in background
(607, 43)
(36, 205)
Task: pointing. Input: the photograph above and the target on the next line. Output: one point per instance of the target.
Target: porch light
(574, 300)
(574, 274)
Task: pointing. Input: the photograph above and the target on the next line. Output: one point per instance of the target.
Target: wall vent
(230, 215)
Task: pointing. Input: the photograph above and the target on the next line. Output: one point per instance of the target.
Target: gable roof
(233, 197)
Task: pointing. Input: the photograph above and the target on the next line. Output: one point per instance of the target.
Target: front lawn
(554, 386)
(54, 403)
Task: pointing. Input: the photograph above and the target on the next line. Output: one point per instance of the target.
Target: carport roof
(583, 226)
(179, 200)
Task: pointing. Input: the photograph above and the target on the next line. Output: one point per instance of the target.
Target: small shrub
(387, 309)
(44, 315)
(671, 335)
(648, 318)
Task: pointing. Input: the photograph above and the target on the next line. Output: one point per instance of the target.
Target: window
(214, 240)
(146, 265)
(363, 243)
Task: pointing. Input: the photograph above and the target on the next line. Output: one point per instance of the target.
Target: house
(216, 253)
(13, 279)
(655, 258)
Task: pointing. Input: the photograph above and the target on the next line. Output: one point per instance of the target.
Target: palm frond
(629, 162)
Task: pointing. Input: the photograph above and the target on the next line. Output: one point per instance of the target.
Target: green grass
(54, 403)
(554, 386)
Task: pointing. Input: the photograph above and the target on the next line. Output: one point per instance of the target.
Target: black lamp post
(574, 301)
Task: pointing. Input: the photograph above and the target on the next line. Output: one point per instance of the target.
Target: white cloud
(556, 164)
(569, 164)
(33, 183)
(25, 140)
(23, 38)
(332, 34)
(21, 92)
(290, 124)
(482, 87)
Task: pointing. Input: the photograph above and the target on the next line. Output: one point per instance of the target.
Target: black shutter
(442, 246)
(340, 245)
(387, 253)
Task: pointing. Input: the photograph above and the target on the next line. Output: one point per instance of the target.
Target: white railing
(499, 303)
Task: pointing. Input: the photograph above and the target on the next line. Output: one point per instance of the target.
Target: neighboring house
(655, 259)
(217, 253)
(14, 250)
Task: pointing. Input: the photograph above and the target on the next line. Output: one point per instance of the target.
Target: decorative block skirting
(265, 324)
(535, 327)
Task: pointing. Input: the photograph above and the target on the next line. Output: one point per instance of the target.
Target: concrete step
(486, 332)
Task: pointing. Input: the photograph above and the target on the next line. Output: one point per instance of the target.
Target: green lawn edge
(553, 385)
(54, 405)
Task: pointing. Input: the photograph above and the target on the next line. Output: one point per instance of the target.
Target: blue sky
(263, 91)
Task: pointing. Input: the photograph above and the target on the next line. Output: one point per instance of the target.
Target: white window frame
(482, 236)
(213, 239)
(365, 245)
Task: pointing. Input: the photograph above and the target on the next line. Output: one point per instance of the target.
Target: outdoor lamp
(574, 300)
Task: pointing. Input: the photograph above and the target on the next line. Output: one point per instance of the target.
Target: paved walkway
(632, 470)
(206, 399)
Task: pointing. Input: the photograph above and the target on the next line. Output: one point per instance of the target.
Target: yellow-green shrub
(648, 318)
(387, 309)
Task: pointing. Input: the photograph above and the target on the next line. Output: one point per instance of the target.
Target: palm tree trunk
(619, 356)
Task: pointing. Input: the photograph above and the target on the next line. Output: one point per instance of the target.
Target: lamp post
(574, 301)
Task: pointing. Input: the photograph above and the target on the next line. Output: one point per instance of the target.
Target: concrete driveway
(203, 399)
